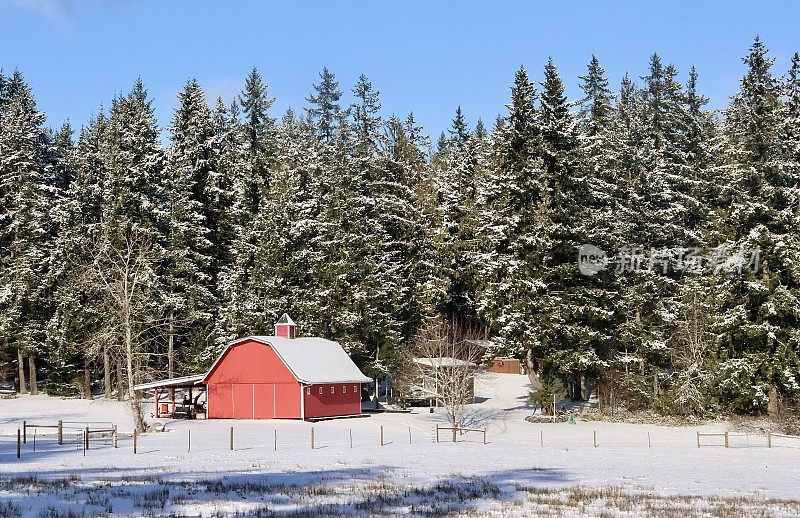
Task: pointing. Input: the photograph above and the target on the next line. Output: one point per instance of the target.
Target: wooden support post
(114, 436)
(594, 438)
(769, 439)
(19, 443)
(231, 438)
(381, 435)
(312, 437)
(698, 439)
(726, 439)
(135, 440)
(60, 432)
(24, 432)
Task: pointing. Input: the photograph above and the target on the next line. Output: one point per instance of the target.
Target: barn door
(264, 405)
(242, 400)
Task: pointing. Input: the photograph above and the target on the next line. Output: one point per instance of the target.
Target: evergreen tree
(760, 303)
(325, 112)
(189, 255)
(25, 231)
(511, 224)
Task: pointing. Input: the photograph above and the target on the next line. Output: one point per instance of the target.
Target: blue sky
(425, 56)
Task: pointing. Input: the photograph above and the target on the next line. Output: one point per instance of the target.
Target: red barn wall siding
(327, 404)
(251, 382)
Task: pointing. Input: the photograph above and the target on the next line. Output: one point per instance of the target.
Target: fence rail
(733, 440)
(456, 429)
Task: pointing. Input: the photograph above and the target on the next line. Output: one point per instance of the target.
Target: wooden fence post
(34, 440)
(60, 432)
(19, 443)
(409, 435)
(726, 439)
(594, 438)
(648, 439)
(276, 439)
(484, 436)
(114, 436)
(455, 432)
(769, 439)
(351, 438)
(312, 437)
(381, 435)
(24, 432)
(437, 433)
(231, 438)
(190, 440)
(135, 440)
(698, 439)
(541, 438)
(86, 438)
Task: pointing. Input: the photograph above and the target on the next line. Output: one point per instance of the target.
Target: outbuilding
(283, 377)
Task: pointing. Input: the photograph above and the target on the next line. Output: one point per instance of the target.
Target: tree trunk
(772, 407)
(656, 386)
(138, 418)
(586, 388)
(87, 378)
(106, 373)
(171, 344)
(530, 364)
(120, 381)
(21, 363)
(32, 375)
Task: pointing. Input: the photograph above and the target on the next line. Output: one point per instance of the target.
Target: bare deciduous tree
(440, 366)
(122, 270)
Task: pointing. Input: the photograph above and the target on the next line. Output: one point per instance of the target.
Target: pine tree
(189, 255)
(325, 112)
(25, 230)
(511, 223)
(760, 303)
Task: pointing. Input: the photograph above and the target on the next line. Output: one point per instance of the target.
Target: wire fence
(62, 437)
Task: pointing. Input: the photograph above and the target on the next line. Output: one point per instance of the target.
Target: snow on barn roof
(185, 381)
(311, 360)
(444, 361)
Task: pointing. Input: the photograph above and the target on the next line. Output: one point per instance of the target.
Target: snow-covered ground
(524, 469)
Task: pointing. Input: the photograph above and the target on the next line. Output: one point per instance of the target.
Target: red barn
(268, 377)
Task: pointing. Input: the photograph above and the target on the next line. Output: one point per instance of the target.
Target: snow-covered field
(525, 469)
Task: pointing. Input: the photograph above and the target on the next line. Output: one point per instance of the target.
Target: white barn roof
(311, 360)
(443, 361)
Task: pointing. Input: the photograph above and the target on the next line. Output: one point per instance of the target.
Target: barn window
(333, 389)
(320, 391)
(308, 391)
(355, 389)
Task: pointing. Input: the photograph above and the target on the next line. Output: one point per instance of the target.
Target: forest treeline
(124, 258)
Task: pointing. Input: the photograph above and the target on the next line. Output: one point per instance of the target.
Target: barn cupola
(284, 327)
